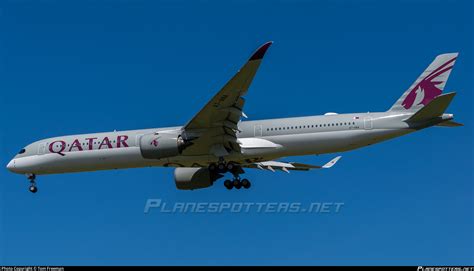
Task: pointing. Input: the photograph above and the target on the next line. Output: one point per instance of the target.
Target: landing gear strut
(32, 179)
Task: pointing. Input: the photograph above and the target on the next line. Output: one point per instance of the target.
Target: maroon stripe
(440, 67)
(438, 73)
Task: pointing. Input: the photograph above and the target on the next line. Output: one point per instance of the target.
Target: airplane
(217, 141)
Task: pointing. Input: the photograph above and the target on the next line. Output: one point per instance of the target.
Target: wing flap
(289, 166)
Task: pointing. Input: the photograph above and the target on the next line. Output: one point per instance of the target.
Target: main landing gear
(237, 183)
(236, 170)
(222, 167)
(32, 179)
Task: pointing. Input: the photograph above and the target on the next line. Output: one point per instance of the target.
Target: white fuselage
(259, 140)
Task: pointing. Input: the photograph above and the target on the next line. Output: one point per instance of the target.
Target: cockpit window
(21, 151)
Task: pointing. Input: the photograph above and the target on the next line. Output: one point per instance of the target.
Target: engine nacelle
(161, 145)
(190, 178)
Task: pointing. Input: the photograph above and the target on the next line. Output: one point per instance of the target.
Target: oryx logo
(427, 89)
(154, 142)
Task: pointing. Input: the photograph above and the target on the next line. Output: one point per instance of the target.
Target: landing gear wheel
(230, 166)
(228, 184)
(246, 183)
(212, 167)
(32, 178)
(33, 189)
(237, 184)
(221, 167)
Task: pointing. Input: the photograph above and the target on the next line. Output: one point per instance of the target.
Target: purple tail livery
(429, 85)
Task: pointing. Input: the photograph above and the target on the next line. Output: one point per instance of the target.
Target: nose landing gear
(33, 189)
(32, 179)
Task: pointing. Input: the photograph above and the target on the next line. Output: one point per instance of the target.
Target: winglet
(332, 162)
(261, 51)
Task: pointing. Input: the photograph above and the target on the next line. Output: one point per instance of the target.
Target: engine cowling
(190, 178)
(161, 145)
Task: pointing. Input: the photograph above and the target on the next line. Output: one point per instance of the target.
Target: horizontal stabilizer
(450, 123)
(433, 109)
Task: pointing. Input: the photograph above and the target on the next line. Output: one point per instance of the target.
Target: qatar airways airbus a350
(215, 141)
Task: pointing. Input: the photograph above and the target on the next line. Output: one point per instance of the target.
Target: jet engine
(161, 145)
(190, 178)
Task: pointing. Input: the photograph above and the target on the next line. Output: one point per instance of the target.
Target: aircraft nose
(11, 165)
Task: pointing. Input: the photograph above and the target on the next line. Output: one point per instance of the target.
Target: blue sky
(70, 67)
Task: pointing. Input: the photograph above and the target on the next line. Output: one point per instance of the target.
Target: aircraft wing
(284, 166)
(213, 129)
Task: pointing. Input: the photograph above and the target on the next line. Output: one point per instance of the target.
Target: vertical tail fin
(429, 85)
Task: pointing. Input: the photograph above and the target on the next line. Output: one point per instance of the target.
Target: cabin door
(368, 123)
(258, 130)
